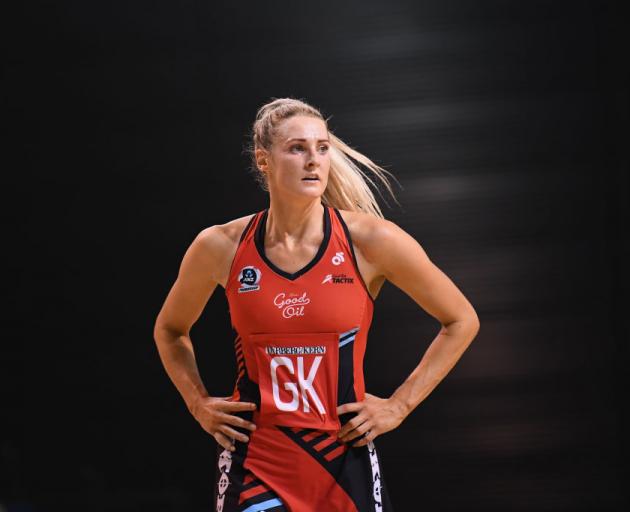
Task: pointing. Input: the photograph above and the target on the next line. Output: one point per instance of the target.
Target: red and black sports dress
(300, 344)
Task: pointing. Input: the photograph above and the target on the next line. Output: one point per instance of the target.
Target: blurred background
(506, 125)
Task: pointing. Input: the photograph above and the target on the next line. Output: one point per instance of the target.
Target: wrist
(401, 408)
(193, 403)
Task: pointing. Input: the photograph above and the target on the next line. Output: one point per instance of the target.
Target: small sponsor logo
(338, 258)
(338, 279)
(249, 277)
(291, 306)
(281, 351)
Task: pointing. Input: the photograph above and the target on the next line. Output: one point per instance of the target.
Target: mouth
(311, 178)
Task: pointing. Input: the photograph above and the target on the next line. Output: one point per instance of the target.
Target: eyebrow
(304, 140)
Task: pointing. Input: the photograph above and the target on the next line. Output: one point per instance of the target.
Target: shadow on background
(506, 124)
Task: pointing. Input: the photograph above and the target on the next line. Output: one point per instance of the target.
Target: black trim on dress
(354, 257)
(243, 235)
(259, 239)
(245, 231)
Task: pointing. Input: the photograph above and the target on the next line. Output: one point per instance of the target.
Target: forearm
(444, 351)
(178, 357)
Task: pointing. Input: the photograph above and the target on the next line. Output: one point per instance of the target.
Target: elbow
(466, 328)
(163, 332)
(158, 328)
(473, 325)
(157, 333)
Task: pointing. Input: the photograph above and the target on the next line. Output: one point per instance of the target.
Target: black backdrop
(506, 123)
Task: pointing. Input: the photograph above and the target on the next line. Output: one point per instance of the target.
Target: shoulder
(376, 238)
(215, 246)
(221, 234)
(367, 230)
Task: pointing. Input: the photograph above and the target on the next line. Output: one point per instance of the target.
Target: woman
(301, 278)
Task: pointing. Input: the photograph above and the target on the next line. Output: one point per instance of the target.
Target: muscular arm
(195, 283)
(404, 263)
(202, 268)
(393, 254)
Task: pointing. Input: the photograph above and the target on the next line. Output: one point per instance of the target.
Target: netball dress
(300, 343)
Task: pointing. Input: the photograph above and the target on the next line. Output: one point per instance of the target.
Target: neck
(288, 221)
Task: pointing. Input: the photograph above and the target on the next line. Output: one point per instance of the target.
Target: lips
(311, 178)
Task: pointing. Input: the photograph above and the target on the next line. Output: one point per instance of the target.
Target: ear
(262, 159)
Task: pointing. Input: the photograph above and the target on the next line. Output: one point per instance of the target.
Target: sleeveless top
(300, 337)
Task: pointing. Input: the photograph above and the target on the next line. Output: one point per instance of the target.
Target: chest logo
(249, 277)
(291, 306)
(338, 258)
(338, 279)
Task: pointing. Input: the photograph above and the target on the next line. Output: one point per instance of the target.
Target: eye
(296, 146)
(324, 146)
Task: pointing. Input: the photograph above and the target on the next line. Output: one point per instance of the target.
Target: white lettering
(305, 384)
(289, 386)
(293, 306)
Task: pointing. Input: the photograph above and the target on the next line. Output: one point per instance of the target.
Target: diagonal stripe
(318, 439)
(320, 445)
(302, 432)
(311, 436)
(346, 341)
(258, 507)
(349, 333)
(329, 448)
(335, 453)
(256, 489)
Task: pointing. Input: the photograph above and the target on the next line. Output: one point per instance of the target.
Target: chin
(314, 193)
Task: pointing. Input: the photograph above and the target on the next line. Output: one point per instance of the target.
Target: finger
(352, 424)
(360, 430)
(349, 407)
(234, 433)
(224, 441)
(366, 439)
(237, 406)
(236, 420)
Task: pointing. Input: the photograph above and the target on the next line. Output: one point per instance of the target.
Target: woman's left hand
(374, 415)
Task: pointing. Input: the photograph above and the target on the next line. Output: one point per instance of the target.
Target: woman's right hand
(214, 414)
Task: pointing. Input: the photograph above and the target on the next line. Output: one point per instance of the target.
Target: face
(300, 150)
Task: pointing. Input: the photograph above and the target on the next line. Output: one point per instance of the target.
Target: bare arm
(401, 259)
(184, 304)
(408, 267)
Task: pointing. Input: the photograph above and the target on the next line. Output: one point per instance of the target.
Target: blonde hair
(347, 187)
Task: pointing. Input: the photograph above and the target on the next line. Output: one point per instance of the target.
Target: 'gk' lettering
(298, 390)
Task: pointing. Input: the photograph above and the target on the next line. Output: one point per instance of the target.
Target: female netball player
(297, 434)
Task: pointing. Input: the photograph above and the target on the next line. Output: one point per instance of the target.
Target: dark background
(506, 123)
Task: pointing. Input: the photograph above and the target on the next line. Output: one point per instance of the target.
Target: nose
(312, 159)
